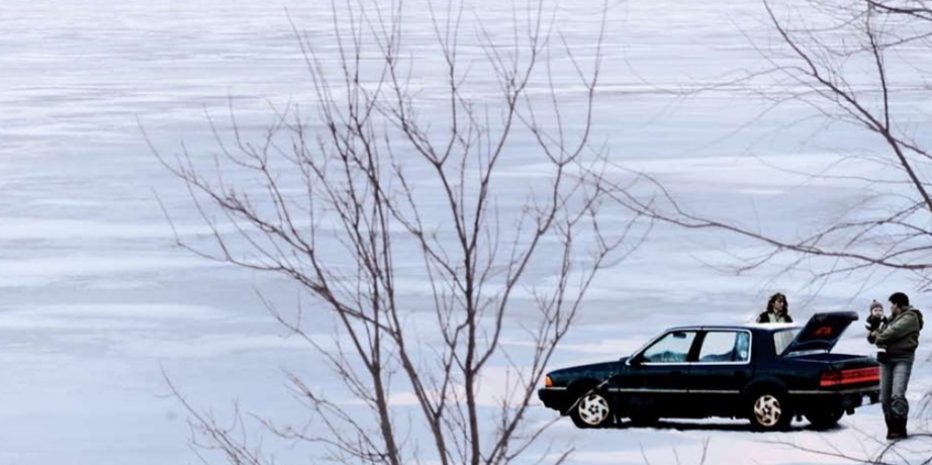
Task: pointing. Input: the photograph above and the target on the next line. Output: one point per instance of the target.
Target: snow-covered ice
(96, 303)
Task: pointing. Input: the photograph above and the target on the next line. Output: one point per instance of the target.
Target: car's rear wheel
(592, 411)
(824, 419)
(769, 411)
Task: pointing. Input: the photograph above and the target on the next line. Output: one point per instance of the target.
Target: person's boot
(897, 429)
(891, 429)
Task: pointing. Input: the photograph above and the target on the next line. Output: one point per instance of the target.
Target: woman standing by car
(778, 311)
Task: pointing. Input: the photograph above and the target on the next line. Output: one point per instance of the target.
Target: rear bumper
(845, 399)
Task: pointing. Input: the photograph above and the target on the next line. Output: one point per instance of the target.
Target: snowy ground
(96, 303)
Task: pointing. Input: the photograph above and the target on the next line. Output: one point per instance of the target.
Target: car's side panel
(715, 386)
(658, 389)
(769, 373)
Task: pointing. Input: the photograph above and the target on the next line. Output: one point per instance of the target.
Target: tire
(769, 411)
(824, 419)
(593, 410)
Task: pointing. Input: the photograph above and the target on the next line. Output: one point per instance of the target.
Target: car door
(654, 381)
(720, 372)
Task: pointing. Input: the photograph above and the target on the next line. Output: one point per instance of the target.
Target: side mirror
(636, 360)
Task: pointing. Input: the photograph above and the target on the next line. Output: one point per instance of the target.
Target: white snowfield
(96, 303)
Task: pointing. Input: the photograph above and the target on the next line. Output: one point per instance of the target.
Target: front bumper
(556, 398)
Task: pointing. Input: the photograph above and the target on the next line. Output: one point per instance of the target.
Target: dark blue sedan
(766, 373)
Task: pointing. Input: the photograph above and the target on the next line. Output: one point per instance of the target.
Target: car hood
(821, 332)
(595, 371)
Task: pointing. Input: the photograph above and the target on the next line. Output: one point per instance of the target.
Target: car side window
(671, 348)
(782, 339)
(725, 346)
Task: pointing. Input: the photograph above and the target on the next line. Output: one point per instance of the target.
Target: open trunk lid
(821, 332)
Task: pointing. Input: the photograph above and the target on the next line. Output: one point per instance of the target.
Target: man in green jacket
(896, 343)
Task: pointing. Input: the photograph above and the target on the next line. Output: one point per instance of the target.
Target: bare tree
(858, 65)
(384, 179)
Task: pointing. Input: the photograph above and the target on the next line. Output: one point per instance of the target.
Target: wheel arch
(575, 390)
(767, 383)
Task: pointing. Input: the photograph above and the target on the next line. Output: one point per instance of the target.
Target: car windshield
(782, 338)
(671, 348)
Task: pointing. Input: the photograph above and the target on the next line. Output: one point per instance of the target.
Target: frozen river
(96, 302)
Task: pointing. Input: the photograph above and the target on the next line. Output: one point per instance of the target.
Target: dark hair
(899, 299)
(774, 298)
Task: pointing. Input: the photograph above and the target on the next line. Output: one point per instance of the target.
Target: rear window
(782, 338)
(725, 347)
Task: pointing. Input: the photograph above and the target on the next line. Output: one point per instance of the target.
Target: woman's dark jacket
(772, 317)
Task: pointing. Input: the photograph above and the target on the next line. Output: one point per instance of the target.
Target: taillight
(851, 376)
(548, 382)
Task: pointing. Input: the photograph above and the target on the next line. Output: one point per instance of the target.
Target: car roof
(749, 326)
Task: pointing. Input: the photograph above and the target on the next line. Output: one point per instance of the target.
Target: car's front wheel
(592, 411)
(769, 411)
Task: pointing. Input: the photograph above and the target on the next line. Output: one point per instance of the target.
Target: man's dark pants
(894, 377)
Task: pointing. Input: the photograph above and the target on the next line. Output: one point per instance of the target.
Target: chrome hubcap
(767, 410)
(593, 409)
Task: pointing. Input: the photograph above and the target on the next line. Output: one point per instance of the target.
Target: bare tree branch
(348, 203)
